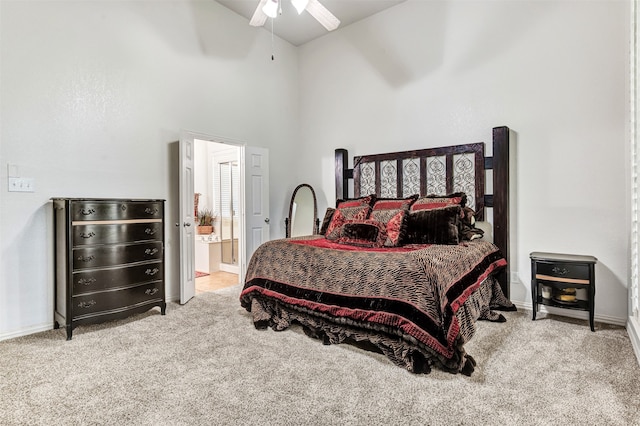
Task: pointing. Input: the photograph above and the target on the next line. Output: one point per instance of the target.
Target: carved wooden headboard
(443, 170)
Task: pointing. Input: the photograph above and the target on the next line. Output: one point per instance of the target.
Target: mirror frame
(316, 221)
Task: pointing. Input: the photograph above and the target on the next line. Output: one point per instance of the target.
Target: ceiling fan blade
(322, 15)
(259, 18)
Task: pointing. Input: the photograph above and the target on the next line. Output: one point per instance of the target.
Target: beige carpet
(205, 364)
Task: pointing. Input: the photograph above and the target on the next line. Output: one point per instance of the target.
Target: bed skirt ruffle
(402, 349)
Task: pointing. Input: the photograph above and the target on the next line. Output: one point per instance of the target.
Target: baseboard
(26, 331)
(232, 269)
(572, 314)
(633, 329)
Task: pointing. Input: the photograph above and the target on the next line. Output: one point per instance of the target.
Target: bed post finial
(342, 186)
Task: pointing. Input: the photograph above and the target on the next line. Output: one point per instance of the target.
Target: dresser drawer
(120, 299)
(92, 280)
(563, 270)
(117, 254)
(116, 233)
(116, 210)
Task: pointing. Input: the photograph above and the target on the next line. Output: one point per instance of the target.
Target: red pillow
(430, 202)
(352, 209)
(333, 230)
(392, 213)
(396, 229)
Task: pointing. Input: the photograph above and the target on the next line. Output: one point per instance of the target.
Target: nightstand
(555, 277)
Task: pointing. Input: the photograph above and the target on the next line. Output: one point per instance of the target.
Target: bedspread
(417, 305)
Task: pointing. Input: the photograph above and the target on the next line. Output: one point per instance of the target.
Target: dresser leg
(163, 308)
(69, 331)
(534, 299)
(592, 298)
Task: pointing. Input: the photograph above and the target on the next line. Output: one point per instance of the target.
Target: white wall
(432, 73)
(92, 96)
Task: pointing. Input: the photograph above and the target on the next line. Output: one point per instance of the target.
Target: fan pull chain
(272, 19)
(272, 45)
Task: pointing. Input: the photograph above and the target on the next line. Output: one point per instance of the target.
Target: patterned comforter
(416, 304)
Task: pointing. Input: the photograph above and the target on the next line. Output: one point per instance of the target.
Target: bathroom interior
(217, 195)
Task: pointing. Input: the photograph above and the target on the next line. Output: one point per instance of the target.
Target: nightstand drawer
(563, 272)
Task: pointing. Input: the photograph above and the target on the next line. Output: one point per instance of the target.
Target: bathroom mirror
(303, 212)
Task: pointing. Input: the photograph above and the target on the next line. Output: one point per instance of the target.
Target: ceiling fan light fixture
(271, 8)
(300, 5)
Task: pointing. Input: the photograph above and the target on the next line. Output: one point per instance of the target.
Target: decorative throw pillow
(392, 213)
(354, 206)
(352, 209)
(363, 233)
(333, 230)
(327, 220)
(396, 229)
(434, 226)
(438, 201)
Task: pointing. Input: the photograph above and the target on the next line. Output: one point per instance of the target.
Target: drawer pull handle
(123, 207)
(151, 291)
(86, 258)
(558, 270)
(152, 271)
(149, 231)
(151, 252)
(86, 304)
(149, 210)
(87, 212)
(86, 281)
(88, 235)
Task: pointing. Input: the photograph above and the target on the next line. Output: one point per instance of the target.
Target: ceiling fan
(269, 9)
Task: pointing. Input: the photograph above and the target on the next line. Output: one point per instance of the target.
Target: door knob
(266, 220)
(187, 224)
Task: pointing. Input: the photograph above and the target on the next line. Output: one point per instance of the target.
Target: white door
(256, 202)
(187, 221)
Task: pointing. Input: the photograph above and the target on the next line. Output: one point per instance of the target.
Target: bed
(390, 270)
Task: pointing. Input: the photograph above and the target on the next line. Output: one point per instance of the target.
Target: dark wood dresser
(109, 259)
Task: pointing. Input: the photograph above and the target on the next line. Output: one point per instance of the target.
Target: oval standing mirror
(303, 212)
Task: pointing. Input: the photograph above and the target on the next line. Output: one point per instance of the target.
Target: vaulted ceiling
(300, 29)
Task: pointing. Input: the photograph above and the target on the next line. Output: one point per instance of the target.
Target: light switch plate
(17, 184)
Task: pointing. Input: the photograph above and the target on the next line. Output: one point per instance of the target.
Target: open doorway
(218, 205)
(253, 203)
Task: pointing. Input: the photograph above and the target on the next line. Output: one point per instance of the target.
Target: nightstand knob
(559, 271)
